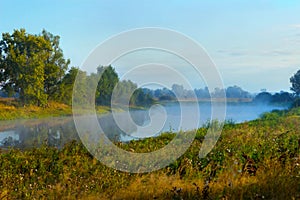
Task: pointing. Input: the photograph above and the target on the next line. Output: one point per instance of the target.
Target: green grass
(13, 111)
(10, 110)
(259, 159)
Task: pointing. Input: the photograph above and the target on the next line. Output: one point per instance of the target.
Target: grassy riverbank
(10, 109)
(253, 160)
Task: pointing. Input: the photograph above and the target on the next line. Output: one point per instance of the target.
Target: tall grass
(259, 159)
(10, 109)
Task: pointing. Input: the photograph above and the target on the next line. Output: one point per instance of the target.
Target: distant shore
(212, 100)
(227, 100)
(11, 110)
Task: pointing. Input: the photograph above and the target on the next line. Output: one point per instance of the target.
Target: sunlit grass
(259, 159)
(10, 109)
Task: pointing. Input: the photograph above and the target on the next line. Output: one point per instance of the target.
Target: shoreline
(243, 163)
(11, 111)
(221, 100)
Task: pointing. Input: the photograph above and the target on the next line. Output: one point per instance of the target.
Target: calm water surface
(167, 117)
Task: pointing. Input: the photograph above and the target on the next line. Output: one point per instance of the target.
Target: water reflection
(9, 138)
(35, 132)
(60, 130)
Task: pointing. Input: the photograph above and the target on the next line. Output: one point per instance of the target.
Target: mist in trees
(178, 91)
(33, 68)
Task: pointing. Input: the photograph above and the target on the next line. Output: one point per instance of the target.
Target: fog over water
(59, 130)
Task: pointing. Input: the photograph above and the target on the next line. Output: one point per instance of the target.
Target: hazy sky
(254, 44)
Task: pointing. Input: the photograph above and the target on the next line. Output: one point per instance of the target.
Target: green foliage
(296, 103)
(127, 93)
(123, 92)
(55, 66)
(294, 111)
(108, 80)
(295, 80)
(66, 87)
(139, 98)
(51, 173)
(22, 66)
(31, 66)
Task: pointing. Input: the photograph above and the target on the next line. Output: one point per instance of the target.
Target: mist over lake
(58, 131)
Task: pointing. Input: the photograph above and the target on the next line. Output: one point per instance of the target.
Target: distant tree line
(235, 92)
(283, 97)
(33, 69)
(108, 85)
(277, 98)
(179, 92)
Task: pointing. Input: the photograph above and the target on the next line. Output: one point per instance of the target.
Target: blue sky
(254, 44)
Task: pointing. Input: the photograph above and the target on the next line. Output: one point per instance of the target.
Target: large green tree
(55, 66)
(31, 66)
(22, 65)
(295, 81)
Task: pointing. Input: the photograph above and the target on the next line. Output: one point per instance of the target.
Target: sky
(254, 44)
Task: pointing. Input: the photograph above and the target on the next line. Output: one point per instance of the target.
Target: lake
(173, 117)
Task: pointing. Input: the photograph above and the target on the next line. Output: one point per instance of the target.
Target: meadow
(11, 109)
(259, 159)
